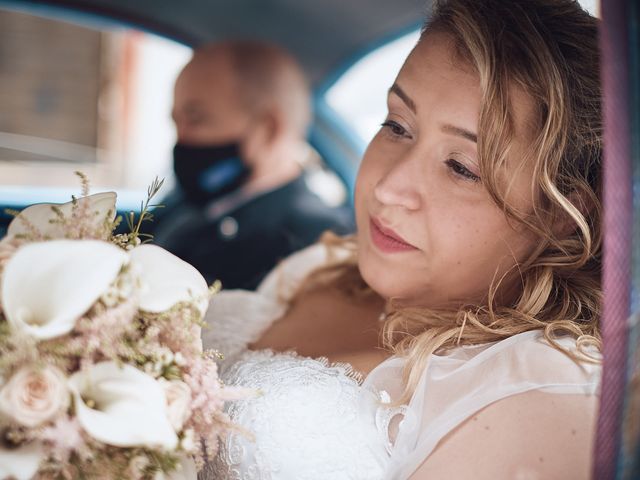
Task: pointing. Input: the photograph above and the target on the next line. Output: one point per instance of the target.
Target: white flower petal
(21, 463)
(47, 286)
(40, 214)
(167, 280)
(129, 407)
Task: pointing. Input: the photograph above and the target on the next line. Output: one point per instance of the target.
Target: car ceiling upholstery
(323, 34)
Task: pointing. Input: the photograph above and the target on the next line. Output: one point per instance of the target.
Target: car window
(360, 95)
(96, 100)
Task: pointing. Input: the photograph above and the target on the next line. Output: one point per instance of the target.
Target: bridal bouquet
(102, 373)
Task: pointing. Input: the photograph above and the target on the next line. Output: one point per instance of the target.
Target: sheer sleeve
(457, 385)
(236, 318)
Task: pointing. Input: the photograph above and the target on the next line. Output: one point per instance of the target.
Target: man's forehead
(201, 81)
(198, 72)
(211, 59)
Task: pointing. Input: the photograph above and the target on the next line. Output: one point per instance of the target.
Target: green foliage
(144, 215)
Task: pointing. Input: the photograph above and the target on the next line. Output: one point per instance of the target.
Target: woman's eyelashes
(395, 130)
(460, 170)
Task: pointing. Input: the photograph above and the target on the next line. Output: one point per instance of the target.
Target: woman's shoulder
(532, 435)
(515, 387)
(530, 359)
(235, 318)
(535, 404)
(561, 365)
(283, 281)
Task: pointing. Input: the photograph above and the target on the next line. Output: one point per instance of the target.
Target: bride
(456, 335)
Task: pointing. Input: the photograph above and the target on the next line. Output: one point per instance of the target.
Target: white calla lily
(41, 214)
(167, 280)
(127, 409)
(21, 463)
(47, 286)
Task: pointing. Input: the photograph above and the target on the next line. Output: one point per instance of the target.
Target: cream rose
(178, 396)
(34, 395)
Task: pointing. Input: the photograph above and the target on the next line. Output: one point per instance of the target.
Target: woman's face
(429, 233)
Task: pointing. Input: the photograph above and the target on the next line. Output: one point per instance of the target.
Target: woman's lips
(386, 240)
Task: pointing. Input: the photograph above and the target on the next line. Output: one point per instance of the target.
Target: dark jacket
(240, 246)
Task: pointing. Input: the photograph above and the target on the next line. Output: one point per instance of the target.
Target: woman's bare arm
(534, 435)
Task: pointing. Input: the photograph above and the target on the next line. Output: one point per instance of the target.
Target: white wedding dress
(319, 421)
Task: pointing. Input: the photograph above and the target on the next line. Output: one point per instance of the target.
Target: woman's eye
(395, 128)
(459, 169)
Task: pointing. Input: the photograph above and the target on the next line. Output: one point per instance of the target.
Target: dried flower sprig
(145, 214)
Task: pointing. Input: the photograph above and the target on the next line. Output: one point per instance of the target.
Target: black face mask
(207, 172)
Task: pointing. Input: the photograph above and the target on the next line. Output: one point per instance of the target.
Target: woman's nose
(399, 186)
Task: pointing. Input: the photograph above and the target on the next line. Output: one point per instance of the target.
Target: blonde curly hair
(549, 49)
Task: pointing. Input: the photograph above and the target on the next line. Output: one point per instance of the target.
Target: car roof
(324, 35)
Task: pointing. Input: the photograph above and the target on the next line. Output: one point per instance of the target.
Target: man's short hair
(267, 76)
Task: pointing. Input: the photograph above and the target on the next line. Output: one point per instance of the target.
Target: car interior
(85, 85)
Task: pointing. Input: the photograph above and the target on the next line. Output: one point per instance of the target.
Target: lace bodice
(316, 420)
(308, 423)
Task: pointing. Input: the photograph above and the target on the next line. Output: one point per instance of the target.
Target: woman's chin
(381, 278)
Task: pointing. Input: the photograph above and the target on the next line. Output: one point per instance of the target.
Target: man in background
(242, 110)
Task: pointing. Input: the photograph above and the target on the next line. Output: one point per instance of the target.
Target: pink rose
(34, 395)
